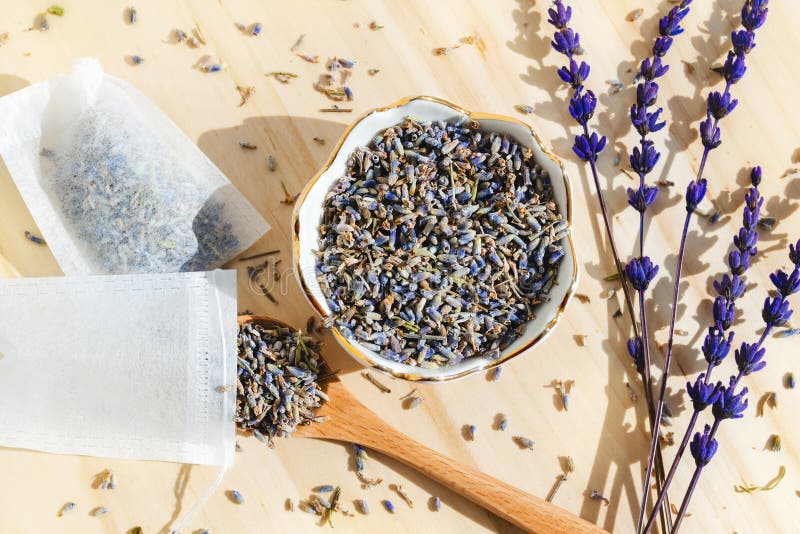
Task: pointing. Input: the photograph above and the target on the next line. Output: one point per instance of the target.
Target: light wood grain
(603, 430)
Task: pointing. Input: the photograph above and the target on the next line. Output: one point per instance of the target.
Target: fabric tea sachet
(129, 366)
(114, 185)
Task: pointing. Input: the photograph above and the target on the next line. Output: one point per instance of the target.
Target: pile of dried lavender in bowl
(277, 380)
(438, 243)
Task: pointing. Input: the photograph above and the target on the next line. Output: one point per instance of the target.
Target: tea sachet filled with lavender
(114, 185)
(128, 366)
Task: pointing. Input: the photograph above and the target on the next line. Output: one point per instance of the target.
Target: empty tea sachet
(129, 366)
(113, 184)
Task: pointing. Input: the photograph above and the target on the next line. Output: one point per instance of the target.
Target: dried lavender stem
(687, 498)
(666, 519)
(662, 393)
(655, 422)
(685, 441)
(672, 470)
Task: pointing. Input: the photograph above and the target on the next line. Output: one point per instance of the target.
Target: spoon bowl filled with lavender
(436, 242)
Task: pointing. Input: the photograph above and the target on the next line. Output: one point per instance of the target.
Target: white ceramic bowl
(308, 213)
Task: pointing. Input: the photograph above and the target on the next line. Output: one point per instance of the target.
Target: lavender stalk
(716, 345)
(643, 159)
(587, 147)
(754, 14)
(728, 404)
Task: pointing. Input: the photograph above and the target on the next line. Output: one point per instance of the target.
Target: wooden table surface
(604, 429)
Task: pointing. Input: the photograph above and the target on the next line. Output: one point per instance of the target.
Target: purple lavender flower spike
(730, 287)
(582, 106)
(636, 351)
(776, 311)
(588, 147)
(794, 254)
(641, 198)
(566, 42)
(645, 158)
(734, 68)
(695, 193)
(743, 42)
(703, 447)
(749, 358)
(738, 261)
(641, 272)
(702, 394)
(786, 284)
(729, 404)
(710, 133)
(576, 74)
(559, 15)
(716, 347)
(724, 312)
(721, 104)
(754, 14)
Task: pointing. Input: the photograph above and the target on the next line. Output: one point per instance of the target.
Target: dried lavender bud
(235, 496)
(277, 387)
(67, 508)
(388, 505)
(494, 374)
(482, 205)
(523, 442)
(362, 506)
(436, 504)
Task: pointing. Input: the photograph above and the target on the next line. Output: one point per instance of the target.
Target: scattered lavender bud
(100, 510)
(290, 504)
(132, 15)
(271, 165)
(436, 504)
(502, 424)
(597, 496)
(471, 432)
(235, 496)
(524, 109)
(362, 506)
(327, 488)
(790, 380)
(388, 505)
(67, 508)
(494, 374)
(137, 60)
(414, 402)
(523, 442)
(34, 238)
(256, 29)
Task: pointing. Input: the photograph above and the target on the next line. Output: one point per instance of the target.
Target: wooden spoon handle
(349, 420)
(512, 504)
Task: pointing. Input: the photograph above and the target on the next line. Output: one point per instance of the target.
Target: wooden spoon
(350, 421)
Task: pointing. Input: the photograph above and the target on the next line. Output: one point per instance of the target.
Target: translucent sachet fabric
(114, 185)
(130, 366)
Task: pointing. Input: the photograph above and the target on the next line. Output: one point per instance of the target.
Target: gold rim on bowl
(358, 353)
